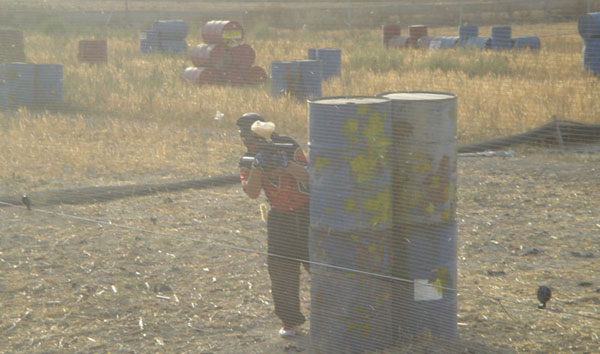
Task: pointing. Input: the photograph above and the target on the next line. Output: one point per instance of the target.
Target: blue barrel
(149, 41)
(350, 228)
(478, 42)
(171, 29)
(466, 32)
(501, 38)
(443, 43)
(589, 25)
(527, 42)
(591, 55)
(285, 78)
(173, 46)
(312, 54)
(424, 212)
(17, 82)
(331, 59)
(48, 89)
(310, 79)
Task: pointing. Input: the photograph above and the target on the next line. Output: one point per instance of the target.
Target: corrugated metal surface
(17, 82)
(331, 61)
(226, 32)
(589, 25)
(478, 42)
(48, 89)
(466, 32)
(501, 38)
(390, 31)
(285, 78)
(350, 223)
(425, 174)
(398, 42)
(310, 79)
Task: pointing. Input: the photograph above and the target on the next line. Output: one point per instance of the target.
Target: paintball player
(277, 165)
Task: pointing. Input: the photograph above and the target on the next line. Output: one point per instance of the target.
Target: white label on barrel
(426, 291)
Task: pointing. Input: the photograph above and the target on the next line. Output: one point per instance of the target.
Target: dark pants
(288, 239)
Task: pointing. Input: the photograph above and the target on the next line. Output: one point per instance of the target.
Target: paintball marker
(271, 155)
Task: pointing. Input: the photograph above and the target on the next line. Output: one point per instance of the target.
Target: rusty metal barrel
(171, 29)
(243, 56)
(92, 51)
(211, 55)
(227, 32)
(350, 224)
(414, 33)
(390, 31)
(199, 75)
(424, 209)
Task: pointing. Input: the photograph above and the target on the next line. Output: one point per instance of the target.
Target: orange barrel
(256, 75)
(215, 56)
(12, 45)
(199, 75)
(424, 42)
(390, 31)
(242, 56)
(398, 41)
(92, 51)
(230, 33)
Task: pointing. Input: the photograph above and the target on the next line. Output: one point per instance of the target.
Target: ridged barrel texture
(32, 85)
(414, 33)
(501, 38)
(389, 32)
(331, 61)
(466, 32)
(211, 55)
(285, 78)
(12, 45)
(310, 79)
(443, 43)
(48, 89)
(149, 42)
(92, 51)
(478, 42)
(226, 32)
(299, 78)
(589, 26)
(350, 228)
(424, 225)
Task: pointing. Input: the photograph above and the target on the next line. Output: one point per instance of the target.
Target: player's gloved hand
(279, 160)
(260, 160)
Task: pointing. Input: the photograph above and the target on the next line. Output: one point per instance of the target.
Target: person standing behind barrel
(277, 165)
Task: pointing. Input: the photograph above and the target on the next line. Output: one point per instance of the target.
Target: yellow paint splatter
(363, 110)
(350, 205)
(379, 207)
(328, 211)
(350, 129)
(321, 162)
(446, 215)
(430, 208)
(363, 168)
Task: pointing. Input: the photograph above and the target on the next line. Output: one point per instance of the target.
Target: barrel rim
(320, 99)
(452, 96)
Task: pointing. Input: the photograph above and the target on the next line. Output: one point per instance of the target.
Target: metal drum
(424, 208)
(48, 89)
(310, 79)
(171, 29)
(285, 78)
(312, 54)
(92, 51)
(414, 33)
(501, 38)
(466, 32)
(243, 56)
(256, 75)
(173, 45)
(17, 82)
(424, 42)
(149, 41)
(350, 227)
(331, 59)
(199, 75)
(443, 43)
(589, 25)
(211, 55)
(398, 42)
(478, 42)
(591, 55)
(390, 31)
(12, 45)
(528, 42)
(230, 33)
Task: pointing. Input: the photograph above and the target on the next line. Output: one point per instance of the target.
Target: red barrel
(216, 56)
(242, 56)
(424, 42)
(417, 31)
(230, 33)
(390, 31)
(398, 41)
(92, 51)
(256, 75)
(200, 75)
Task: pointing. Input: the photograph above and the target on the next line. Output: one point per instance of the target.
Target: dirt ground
(185, 271)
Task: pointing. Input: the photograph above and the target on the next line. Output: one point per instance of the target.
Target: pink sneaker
(287, 330)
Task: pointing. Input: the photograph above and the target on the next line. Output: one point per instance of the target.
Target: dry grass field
(185, 272)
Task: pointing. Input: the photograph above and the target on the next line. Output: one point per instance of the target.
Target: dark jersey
(282, 190)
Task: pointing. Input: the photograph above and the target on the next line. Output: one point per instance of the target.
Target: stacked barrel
(416, 32)
(92, 51)
(298, 78)
(166, 36)
(12, 45)
(589, 30)
(30, 85)
(223, 58)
